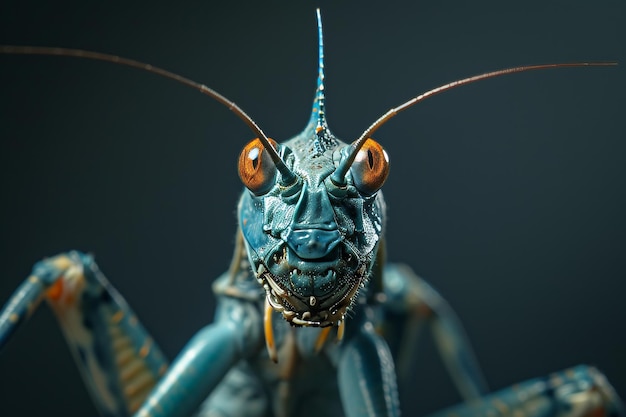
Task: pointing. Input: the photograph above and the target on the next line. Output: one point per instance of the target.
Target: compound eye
(256, 169)
(370, 167)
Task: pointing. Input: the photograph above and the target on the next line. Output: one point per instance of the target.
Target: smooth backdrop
(507, 195)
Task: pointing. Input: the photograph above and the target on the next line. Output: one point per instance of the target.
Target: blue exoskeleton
(311, 321)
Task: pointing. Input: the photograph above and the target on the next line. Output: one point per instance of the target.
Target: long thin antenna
(318, 115)
(338, 177)
(287, 175)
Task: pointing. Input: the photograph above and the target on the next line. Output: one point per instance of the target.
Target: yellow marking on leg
(62, 262)
(145, 349)
(141, 396)
(14, 318)
(34, 279)
(117, 317)
(131, 371)
(269, 332)
(142, 382)
(321, 339)
(341, 328)
(124, 357)
(120, 343)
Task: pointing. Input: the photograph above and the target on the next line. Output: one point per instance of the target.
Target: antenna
(288, 176)
(338, 177)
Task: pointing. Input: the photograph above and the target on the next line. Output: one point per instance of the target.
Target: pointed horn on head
(318, 114)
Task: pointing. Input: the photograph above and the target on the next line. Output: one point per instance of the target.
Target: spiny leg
(576, 392)
(409, 304)
(118, 360)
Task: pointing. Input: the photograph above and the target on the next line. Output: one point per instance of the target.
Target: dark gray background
(507, 195)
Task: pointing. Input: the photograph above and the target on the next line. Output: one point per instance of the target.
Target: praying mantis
(236, 189)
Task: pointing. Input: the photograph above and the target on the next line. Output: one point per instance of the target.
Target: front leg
(367, 378)
(118, 359)
(206, 359)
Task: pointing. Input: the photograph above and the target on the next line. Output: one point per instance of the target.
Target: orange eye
(256, 169)
(370, 167)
